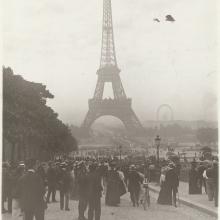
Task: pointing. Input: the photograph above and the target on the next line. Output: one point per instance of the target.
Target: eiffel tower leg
(131, 122)
(99, 89)
(91, 116)
(118, 88)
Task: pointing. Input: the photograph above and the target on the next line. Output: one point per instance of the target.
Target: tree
(28, 122)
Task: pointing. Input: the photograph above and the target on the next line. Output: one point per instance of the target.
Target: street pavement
(200, 200)
(126, 212)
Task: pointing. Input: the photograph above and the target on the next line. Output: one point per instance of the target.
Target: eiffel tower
(120, 105)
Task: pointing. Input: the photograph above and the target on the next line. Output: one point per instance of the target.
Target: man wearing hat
(65, 187)
(82, 181)
(94, 192)
(52, 182)
(172, 182)
(31, 192)
(134, 185)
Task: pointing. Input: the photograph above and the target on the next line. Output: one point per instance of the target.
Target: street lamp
(157, 142)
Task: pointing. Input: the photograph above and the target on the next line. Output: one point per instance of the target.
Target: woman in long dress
(112, 197)
(194, 180)
(164, 191)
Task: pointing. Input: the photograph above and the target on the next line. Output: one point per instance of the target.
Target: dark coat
(172, 179)
(113, 188)
(51, 176)
(42, 173)
(193, 182)
(94, 185)
(31, 191)
(168, 186)
(134, 181)
(67, 181)
(83, 184)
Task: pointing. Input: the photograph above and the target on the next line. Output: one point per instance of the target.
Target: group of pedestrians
(25, 192)
(204, 174)
(30, 187)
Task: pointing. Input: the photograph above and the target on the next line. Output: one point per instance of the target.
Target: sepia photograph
(110, 110)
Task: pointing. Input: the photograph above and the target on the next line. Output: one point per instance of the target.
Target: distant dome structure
(165, 106)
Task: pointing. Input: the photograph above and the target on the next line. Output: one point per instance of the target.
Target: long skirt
(112, 197)
(164, 195)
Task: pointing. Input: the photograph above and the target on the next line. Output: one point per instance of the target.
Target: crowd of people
(29, 187)
(204, 174)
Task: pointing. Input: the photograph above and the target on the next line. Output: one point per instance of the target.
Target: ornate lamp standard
(157, 142)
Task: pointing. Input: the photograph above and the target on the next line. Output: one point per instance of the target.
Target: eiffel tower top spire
(108, 56)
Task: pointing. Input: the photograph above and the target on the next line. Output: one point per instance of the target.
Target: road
(127, 212)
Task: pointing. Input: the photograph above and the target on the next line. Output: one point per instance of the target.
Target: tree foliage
(28, 120)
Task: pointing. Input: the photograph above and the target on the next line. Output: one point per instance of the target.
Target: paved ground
(200, 199)
(127, 212)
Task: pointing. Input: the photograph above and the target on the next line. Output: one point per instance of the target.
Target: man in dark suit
(172, 182)
(51, 182)
(134, 181)
(82, 180)
(66, 182)
(94, 192)
(31, 193)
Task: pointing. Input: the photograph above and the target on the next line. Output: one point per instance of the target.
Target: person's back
(51, 175)
(82, 183)
(94, 193)
(172, 179)
(94, 185)
(31, 191)
(42, 173)
(134, 185)
(67, 180)
(82, 186)
(133, 179)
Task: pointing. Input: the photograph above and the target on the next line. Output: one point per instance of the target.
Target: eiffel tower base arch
(119, 109)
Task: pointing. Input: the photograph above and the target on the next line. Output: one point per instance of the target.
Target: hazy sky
(58, 43)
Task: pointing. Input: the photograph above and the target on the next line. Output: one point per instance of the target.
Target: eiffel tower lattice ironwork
(108, 71)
